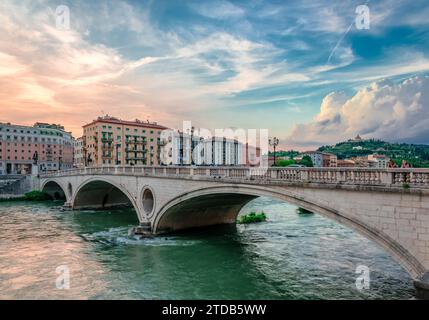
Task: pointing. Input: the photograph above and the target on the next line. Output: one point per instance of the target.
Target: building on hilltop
(356, 139)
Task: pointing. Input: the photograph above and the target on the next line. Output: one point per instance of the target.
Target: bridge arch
(99, 193)
(55, 189)
(222, 204)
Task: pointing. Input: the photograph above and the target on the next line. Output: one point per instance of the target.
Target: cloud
(218, 9)
(383, 110)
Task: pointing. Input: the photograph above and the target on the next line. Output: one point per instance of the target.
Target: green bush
(306, 161)
(252, 217)
(284, 163)
(406, 186)
(36, 195)
(304, 211)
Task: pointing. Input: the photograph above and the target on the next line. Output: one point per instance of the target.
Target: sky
(308, 71)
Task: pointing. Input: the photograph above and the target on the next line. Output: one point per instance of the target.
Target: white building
(378, 161)
(177, 149)
(322, 159)
(78, 154)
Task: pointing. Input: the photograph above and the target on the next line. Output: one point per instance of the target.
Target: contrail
(342, 38)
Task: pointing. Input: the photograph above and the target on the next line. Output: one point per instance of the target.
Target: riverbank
(11, 197)
(34, 195)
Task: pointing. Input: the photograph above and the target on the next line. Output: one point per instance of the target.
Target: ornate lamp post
(274, 142)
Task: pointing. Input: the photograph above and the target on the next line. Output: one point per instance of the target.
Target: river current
(291, 256)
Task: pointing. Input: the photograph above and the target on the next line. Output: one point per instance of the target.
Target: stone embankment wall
(15, 186)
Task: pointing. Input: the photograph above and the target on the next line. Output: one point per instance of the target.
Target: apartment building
(109, 141)
(21, 147)
(78, 157)
(322, 159)
(378, 161)
(180, 148)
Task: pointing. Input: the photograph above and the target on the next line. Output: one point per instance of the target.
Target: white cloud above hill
(384, 110)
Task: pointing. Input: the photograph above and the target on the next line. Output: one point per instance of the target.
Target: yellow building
(111, 141)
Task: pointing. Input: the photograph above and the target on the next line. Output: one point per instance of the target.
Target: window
(151, 132)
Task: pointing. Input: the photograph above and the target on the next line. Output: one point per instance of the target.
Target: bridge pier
(422, 287)
(143, 230)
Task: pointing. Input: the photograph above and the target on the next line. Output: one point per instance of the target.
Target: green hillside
(415, 154)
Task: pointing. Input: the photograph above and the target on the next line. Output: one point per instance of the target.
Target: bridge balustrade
(355, 176)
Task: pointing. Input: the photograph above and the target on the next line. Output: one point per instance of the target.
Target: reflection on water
(289, 257)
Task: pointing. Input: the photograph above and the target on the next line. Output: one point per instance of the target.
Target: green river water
(291, 256)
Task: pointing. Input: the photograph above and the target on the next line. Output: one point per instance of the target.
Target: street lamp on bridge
(274, 142)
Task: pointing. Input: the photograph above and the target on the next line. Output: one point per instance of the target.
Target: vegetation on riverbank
(252, 217)
(37, 195)
(303, 211)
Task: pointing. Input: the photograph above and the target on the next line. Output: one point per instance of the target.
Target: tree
(284, 163)
(306, 161)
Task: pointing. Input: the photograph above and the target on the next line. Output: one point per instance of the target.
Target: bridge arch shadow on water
(221, 205)
(55, 190)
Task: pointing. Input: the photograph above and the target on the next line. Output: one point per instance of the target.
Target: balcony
(134, 141)
(136, 150)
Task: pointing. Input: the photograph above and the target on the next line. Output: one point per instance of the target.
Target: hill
(415, 154)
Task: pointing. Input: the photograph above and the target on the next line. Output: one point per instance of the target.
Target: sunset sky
(301, 69)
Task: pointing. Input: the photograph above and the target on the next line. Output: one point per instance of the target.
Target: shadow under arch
(222, 204)
(99, 193)
(55, 190)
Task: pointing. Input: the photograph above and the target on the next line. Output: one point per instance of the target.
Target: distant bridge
(389, 206)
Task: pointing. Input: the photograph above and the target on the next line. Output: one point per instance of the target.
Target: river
(291, 256)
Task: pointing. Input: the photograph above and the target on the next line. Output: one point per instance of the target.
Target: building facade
(322, 159)
(180, 148)
(78, 158)
(110, 141)
(378, 161)
(48, 146)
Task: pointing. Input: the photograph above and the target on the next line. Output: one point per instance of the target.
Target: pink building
(19, 145)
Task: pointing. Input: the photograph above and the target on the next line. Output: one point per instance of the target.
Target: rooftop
(136, 122)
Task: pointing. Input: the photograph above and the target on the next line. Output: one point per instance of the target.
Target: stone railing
(354, 176)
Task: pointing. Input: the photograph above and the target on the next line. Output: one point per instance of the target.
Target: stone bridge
(389, 206)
